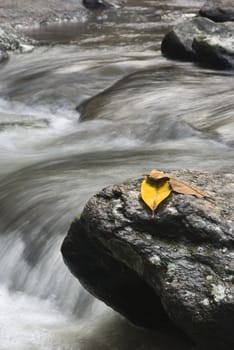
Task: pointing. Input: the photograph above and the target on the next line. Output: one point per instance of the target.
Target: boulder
(175, 267)
(177, 43)
(202, 40)
(218, 11)
(97, 4)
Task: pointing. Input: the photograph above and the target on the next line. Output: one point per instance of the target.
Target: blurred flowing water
(142, 111)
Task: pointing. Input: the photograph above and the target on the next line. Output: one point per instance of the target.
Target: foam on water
(28, 323)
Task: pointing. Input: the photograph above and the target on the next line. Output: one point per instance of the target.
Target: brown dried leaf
(181, 187)
(176, 185)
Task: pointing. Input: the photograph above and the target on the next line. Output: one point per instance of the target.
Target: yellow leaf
(153, 192)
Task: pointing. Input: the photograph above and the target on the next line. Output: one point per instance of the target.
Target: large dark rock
(177, 266)
(97, 4)
(201, 40)
(177, 43)
(218, 11)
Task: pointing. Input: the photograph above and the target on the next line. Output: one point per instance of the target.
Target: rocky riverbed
(139, 110)
(29, 12)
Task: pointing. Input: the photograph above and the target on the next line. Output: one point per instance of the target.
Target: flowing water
(143, 112)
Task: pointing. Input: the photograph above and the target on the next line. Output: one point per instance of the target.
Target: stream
(142, 111)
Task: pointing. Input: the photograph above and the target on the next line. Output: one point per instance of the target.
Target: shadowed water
(137, 111)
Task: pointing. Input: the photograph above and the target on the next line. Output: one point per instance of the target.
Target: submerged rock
(177, 266)
(202, 40)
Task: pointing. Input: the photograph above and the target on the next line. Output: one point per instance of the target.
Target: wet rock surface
(11, 40)
(218, 11)
(201, 40)
(97, 4)
(215, 51)
(177, 266)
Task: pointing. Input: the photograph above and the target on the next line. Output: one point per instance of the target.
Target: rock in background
(218, 10)
(175, 267)
(201, 40)
(11, 40)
